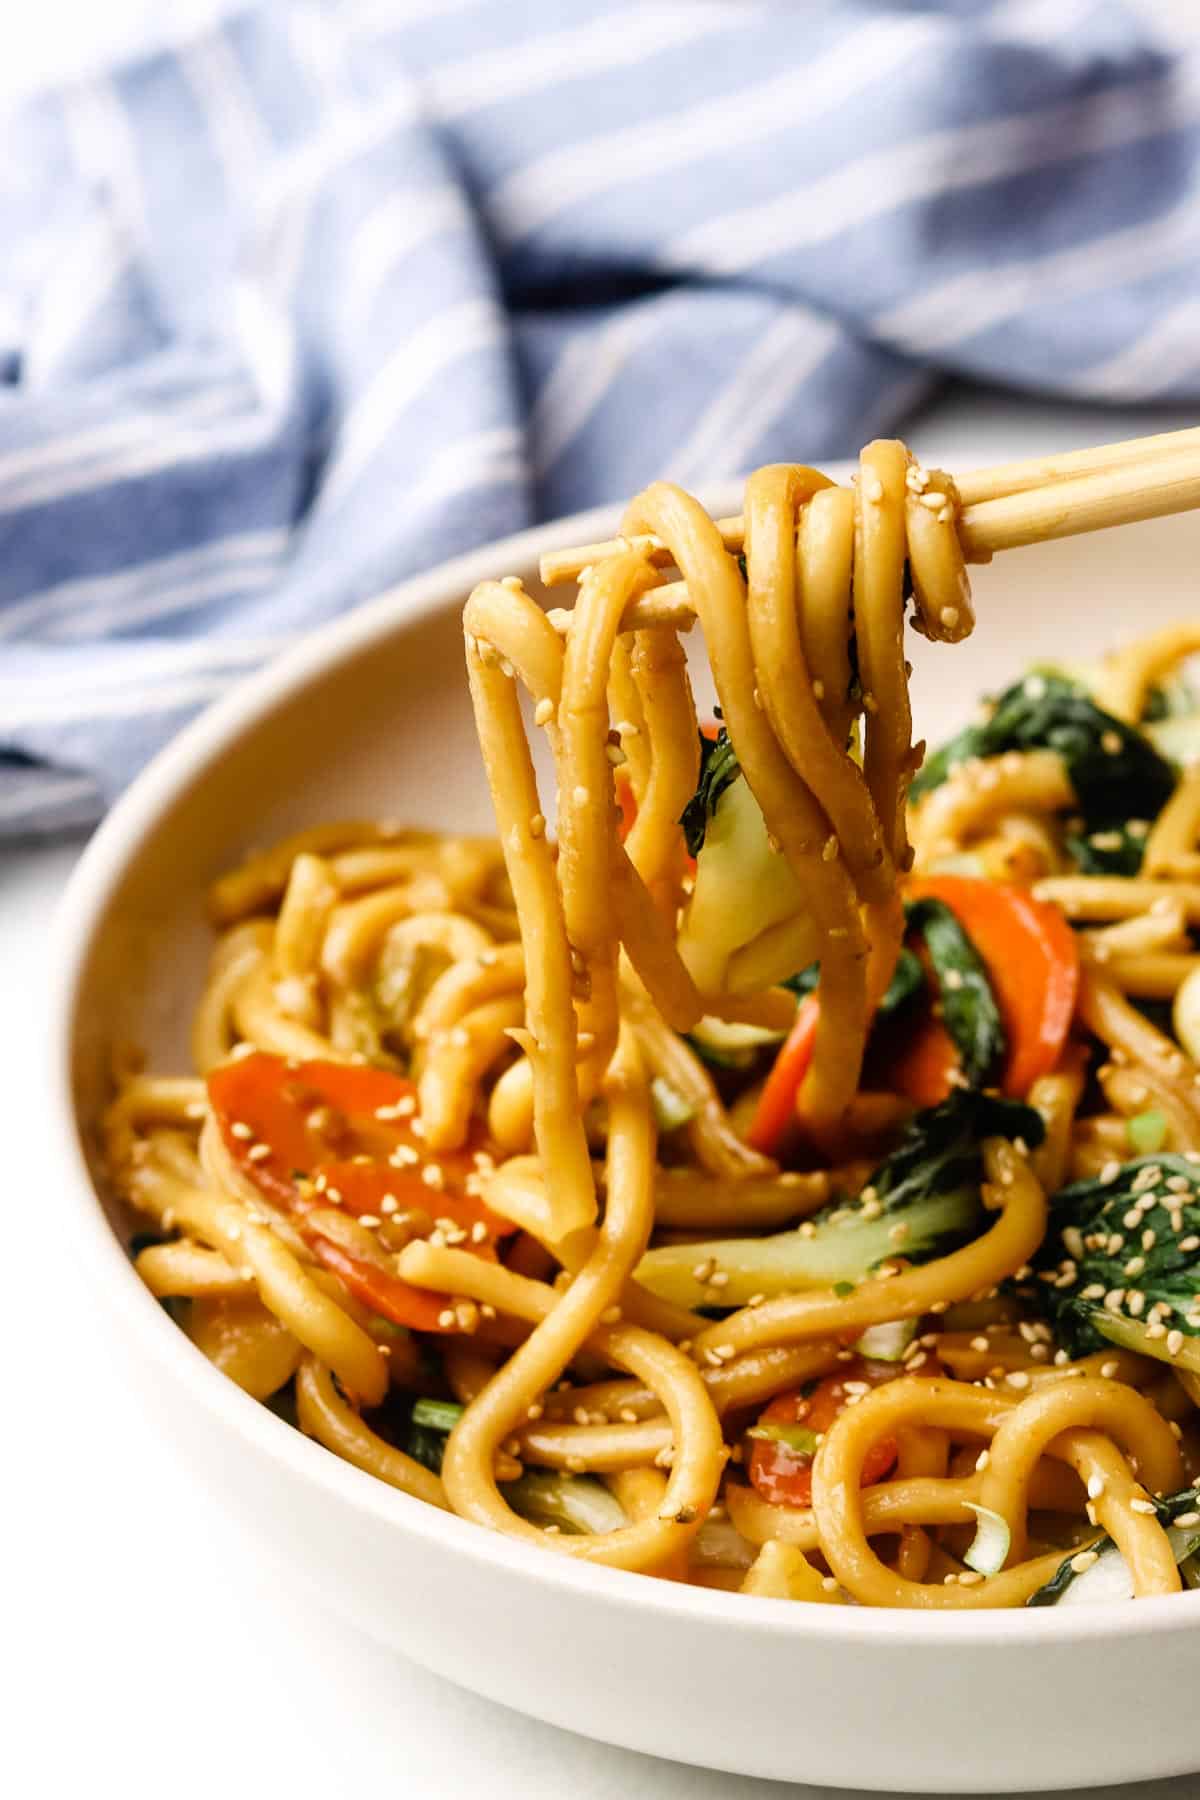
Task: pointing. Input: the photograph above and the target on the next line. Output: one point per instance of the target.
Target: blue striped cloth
(332, 293)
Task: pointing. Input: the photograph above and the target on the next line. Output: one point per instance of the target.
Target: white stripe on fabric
(127, 666)
(1169, 352)
(166, 450)
(136, 703)
(284, 198)
(201, 407)
(78, 289)
(268, 343)
(443, 340)
(974, 302)
(38, 793)
(582, 374)
(392, 13)
(1038, 21)
(103, 143)
(239, 137)
(399, 225)
(526, 67)
(762, 385)
(940, 162)
(99, 603)
(529, 197)
(345, 134)
(488, 457)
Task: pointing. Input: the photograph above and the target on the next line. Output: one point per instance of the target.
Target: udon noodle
(523, 1173)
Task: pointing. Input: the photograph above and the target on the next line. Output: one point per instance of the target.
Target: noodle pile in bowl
(770, 1177)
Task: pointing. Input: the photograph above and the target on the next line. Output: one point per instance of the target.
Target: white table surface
(150, 1647)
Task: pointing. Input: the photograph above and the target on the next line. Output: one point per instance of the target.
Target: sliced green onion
(887, 1342)
(991, 1543)
(1147, 1132)
(437, 1415)
(671, 1110)
(575, 1503)
(797, 1437)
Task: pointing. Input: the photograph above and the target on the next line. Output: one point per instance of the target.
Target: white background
(149, 1653)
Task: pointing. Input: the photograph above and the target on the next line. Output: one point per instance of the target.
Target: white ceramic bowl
(370, 717)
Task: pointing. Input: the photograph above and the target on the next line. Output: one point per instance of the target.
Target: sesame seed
(1135, 1265)
(446, 1318)
(537, 825)
(980, 1343)
(1095, 1487)
(1188, 1519)
(829, 849)
(240, 1130)
(432, 1175)
(982, 1460)
(704, 1269)
(1109, 1370)
(1086, 1559)
(1174, 1343)
(949, 614)
(1017, 1378)
(1109, 1172)
(1146, 1507)
(543, 712)
(580, 796)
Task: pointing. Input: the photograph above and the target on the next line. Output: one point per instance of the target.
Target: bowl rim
(88, 1233)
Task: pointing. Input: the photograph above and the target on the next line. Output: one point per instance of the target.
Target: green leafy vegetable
(969, 1010)
(1115, 770)
(1098, 1572)
(1120, 1263)
(719, 767)
(908, 978)
(575, 1503)
(930, 1182)
(989, 1548)
(437, 1415)
(1115, 850)
(887, 1342)
(744, 889)
(671, 1110)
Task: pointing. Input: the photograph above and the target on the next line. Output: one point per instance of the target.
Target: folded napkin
(333, 293)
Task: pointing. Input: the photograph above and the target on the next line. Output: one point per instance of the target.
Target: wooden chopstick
(1118, 495)
(1002, 508)
(1041, 471)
